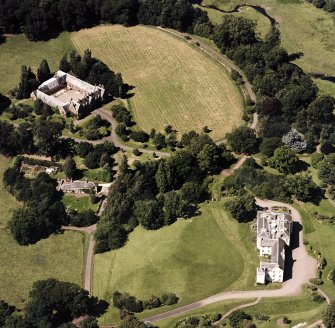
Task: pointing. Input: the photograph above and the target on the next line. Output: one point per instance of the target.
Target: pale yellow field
(175, 83)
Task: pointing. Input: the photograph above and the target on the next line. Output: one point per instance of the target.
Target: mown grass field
(192, 258)
(18, 51)
(304, 28)
(59, 256)
(175, 83)
(321, 237)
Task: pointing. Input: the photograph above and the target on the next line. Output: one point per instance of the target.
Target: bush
(169, 299)
(122, 114)
(136, 152)
(316, 297)
(262, 317)
(152, 303)
(139, 136)
(316, 158)
(316, 281)
(126, 301)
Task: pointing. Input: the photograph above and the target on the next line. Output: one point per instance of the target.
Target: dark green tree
(6, 311)
(43, 72)
(4, 103)
(243, 140)
(70, 167)
(285, 160)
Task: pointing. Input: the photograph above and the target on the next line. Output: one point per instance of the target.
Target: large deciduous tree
(243, 140)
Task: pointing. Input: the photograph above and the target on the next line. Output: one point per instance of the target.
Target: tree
(124, 167)
(56, 302)
(302, 187)
(233, 32)
(84, 218)
(109, 236)
(209, 159)
(149, 214)
(18, 322)
(131, 321)
(70, 167)
(169, 299)
(243, 140)
(269, 145)
(4, 103)
(6, 311)
(28, 83)
(242, 208)
(159, 141)
(236, 317)
(43, 73)
(293, 139)
(284, 160)
(329, 316)
(152, 303)
(327, 171)
(64, 65)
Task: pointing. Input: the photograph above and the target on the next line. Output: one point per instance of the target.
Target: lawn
(60, 256)
(193, 258)
(220, 307)
(321, 237)
(174, 82)
(325, 87)
(297, 309)
(79, 203)
(18, 51)
(313, 33)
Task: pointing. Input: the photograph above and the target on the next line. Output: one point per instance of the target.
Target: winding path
(107, 115)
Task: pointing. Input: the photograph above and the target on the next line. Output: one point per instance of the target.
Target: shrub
(169, 299)
(152, 303)
(316, 158)
(316, 281)
(139, 136)
(136, 152)
(262, 317)
(316, 297)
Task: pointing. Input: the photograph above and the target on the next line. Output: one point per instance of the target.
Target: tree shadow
(295, 243)
(302, 166)
(97, 307)
(191, 210)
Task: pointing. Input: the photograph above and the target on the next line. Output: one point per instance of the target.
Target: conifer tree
(43, 73)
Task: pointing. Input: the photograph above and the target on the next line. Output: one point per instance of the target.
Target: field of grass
(175, 83)
(297, 309)
(325, 87)
(79, 203)
(18, 51)
(220, 307)
(263, 24)
(192, 258)
(304, 28)
(321, 237)
(59, 256)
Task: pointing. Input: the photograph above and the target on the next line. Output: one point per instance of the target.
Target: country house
(274, 229)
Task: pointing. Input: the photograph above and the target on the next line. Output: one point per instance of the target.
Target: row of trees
(42, 22)
(54, 304)
(124, 301)
(156, 193)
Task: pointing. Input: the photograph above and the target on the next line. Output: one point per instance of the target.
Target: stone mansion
(273, 233)
(69, 94)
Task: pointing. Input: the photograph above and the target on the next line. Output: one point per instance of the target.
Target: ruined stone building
(69, 94)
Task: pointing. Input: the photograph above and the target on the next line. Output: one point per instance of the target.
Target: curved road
(304, 268)
(108, 116)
